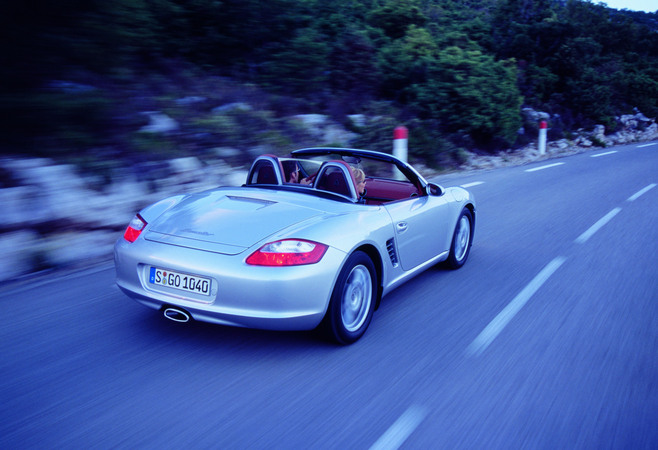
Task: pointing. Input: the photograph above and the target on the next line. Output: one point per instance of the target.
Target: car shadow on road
(212, 336)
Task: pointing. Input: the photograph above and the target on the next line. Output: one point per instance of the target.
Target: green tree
(299, 66)
(396, 16)
(354, 67)
(637, 87)
(470, 92)
(513, 22)
(406, 62)
(590, 96)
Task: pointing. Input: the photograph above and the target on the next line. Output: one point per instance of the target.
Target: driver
(291, 172)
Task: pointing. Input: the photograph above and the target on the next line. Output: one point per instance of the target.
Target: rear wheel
(462, 239)
(353, 300)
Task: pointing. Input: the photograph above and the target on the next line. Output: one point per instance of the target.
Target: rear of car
(231, 257)
(224, 289)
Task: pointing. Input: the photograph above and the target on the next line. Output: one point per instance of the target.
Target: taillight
(135, 228)
(288, 252)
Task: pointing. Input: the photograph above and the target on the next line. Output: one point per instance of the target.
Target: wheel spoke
(462, 238)
(357, 296)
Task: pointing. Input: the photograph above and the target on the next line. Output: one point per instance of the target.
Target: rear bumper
(261, 320)
(276, 298)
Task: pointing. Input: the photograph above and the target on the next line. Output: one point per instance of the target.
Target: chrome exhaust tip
(177, 315)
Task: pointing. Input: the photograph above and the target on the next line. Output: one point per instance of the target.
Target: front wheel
(353, 300)
(462, 239)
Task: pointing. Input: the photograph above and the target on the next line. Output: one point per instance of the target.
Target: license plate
(182, 281)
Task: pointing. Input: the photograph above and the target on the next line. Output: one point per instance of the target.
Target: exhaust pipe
(177, 315)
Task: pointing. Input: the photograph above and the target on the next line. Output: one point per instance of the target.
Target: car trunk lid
(223, 223)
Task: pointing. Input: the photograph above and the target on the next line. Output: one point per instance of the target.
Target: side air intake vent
(390, 246)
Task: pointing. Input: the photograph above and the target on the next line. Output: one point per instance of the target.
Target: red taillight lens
(134, 229)
(289, 252)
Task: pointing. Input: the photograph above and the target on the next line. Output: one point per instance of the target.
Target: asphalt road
(547, 338)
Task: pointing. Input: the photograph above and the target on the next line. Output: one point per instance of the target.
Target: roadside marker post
(542, 137)
(400, 146)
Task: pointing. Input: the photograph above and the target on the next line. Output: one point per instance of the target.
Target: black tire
(462, 240)
(353, 300)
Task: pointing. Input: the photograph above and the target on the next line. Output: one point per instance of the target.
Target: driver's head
(291, 171)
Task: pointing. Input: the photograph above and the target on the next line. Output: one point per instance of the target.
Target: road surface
(546, 338)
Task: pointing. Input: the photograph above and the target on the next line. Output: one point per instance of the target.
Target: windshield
(373, 168)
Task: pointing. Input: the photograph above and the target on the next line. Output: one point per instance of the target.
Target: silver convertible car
(306, 242)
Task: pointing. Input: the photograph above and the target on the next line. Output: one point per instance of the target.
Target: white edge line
(597, 226)
(647, 145)
(499, 322)
(401, 429)
(475, 183)
(637, 195)
(544, 167)
(603, 154)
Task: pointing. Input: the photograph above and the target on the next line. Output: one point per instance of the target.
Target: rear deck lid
(223, 223)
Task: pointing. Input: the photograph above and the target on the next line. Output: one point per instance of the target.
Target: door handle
(402, 227)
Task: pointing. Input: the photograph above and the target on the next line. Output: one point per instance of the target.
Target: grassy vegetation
(80, 75)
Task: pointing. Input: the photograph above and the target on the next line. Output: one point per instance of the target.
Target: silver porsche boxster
(312, 240)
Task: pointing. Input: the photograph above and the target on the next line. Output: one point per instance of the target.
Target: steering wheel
(311, 178)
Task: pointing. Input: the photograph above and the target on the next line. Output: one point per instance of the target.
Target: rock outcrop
(52, 218)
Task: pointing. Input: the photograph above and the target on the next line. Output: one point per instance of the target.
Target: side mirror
(435, 189)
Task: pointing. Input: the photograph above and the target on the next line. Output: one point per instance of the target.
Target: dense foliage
(461, 69)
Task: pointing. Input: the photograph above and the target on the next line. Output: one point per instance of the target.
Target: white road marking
(635, 196)
(475, 183)
(544, 167)
(603, 154)
(401, 429)
(597, 226)
(647, 145)
(501, 320)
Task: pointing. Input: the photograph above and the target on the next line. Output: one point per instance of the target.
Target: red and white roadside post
(400, 145)
(542, 137)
